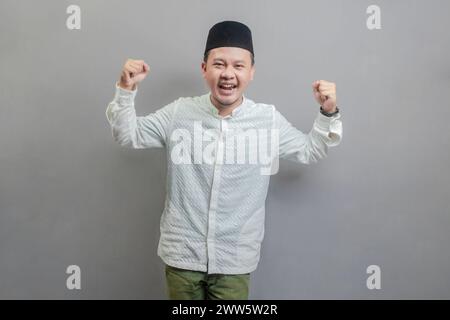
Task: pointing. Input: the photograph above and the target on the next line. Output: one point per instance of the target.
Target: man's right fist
(133, 72)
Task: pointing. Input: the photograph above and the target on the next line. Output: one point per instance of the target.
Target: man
(212, 225)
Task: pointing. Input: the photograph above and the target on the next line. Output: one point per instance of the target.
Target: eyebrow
(223, 60)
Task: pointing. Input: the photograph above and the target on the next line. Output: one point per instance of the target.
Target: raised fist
(133, 72)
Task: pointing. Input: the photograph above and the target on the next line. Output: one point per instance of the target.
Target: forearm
(308, 148)
(129, 130)
(121, 116)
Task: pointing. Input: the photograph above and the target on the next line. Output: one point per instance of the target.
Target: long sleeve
(135, 132)
(297, 146)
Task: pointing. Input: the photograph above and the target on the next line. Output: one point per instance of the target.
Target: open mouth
(227, 88)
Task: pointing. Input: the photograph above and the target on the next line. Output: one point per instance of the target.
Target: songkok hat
(229, 34)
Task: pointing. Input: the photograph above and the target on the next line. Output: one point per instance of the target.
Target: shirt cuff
(329, 127)
(124, 96)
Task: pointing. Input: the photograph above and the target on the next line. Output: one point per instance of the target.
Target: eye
(240, 66)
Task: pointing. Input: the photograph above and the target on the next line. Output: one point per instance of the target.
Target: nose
(228, 73)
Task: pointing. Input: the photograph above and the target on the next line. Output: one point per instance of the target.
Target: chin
(227, 100)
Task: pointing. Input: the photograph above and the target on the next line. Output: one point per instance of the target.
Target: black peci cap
(229, 34)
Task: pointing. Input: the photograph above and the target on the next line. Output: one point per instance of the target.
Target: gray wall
(70, 195)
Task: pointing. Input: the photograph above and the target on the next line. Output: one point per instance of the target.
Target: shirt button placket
(211, 241)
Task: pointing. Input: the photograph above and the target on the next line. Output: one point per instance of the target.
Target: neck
(225, 110)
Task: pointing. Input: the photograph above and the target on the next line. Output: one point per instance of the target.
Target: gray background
(70, 195)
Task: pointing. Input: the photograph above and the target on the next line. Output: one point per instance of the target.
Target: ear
(203, 67)
(252, 72)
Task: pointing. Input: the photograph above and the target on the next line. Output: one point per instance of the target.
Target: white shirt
(213, 218)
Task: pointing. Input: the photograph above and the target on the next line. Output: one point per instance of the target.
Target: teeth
(227, 86)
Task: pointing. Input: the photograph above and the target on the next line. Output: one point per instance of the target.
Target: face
(228, 71)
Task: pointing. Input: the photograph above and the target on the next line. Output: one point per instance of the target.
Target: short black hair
(205, 57)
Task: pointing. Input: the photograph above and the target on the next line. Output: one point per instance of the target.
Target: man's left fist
(325, 94)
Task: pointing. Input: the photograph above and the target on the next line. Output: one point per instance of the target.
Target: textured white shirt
(213, 217)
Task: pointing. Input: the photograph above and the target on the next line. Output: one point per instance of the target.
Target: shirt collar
(212, 108)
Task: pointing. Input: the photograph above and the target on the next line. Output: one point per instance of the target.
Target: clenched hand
(133, 72)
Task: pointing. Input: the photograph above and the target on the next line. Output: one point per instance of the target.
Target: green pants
(195, 285)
